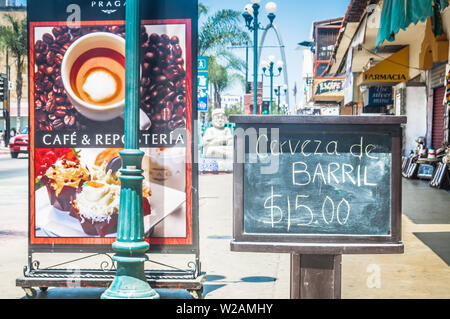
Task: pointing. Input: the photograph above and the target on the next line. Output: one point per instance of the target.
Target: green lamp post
(251, 12)
(278, 94)
(268, 66)
(130, 247)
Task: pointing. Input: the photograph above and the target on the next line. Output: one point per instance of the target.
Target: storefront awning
(394, 69)
(397, 15)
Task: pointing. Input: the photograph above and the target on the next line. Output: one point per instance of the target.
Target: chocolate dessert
(63, 180)
(97, 208)
(97, 203)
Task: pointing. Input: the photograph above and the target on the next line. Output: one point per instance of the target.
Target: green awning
(397, 15)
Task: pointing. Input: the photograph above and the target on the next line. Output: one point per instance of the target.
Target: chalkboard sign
(325, 184)
(332, 185)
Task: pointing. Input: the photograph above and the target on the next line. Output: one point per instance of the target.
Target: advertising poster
(77, 99)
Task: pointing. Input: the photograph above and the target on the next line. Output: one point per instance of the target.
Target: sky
(294, 19)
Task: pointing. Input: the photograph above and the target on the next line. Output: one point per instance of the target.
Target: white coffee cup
(80, 46)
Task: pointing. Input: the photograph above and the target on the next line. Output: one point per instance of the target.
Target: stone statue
(218, 140)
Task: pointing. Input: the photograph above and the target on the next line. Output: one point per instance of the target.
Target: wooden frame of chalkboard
(312, 243)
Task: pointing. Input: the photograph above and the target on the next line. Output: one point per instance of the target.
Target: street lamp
(130, 247)
(251, 12)
(268, 66)
(278, 94)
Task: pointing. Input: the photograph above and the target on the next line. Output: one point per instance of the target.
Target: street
(421, 272)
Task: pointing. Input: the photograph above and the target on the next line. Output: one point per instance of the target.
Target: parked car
(19, 143)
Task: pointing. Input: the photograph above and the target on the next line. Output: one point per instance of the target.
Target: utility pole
(6, 111)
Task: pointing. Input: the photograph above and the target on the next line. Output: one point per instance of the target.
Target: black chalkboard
(325, 183)
(317, 184)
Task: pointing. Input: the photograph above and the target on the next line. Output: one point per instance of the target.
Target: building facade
(322, 90)
(397, 65)
(18, 11)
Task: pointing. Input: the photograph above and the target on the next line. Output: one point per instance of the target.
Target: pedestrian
(13, 132)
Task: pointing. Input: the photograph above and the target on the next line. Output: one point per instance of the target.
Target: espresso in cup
(98, 76)
(93, 74)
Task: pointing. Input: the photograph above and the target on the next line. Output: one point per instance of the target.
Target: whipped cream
(100, 85)
(99, 202)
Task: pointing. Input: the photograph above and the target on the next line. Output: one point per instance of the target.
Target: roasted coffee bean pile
(163, 84)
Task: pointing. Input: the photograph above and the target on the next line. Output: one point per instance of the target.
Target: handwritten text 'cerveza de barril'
(309, 172)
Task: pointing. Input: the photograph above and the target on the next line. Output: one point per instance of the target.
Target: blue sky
(294, 19)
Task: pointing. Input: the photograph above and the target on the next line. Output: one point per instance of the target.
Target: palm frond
(221, 29)
(202, 9)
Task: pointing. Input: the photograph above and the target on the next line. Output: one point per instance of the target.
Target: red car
(18, 144)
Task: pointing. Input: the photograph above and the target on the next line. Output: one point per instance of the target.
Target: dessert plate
(164, 201)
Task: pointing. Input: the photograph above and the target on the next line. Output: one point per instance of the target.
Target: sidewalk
(421, 272)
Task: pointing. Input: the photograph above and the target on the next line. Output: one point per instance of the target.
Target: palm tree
(13, 38)
(220, 30)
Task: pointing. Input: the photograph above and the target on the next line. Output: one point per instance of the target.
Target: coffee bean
(177, 51)
(58, 124)
(157, 117)
(75, 31)
(179, 61)
(69, 120)
(56, 31)
(165, 38)
(38, 76)
(166, 114)
(169, 96)
(59, 58)
(150, 57)
(154, 38)
(144, 37)
(63, 38)
(155, 71)
(60, 111)
(60, 100)
(40, 58)
(146, 68)
(49, 70)
(174, 40)
(169, 105)
(114, 29)
(58, 81)
(47, 86)
(38, 104)
(58, 90)
(50, 58)
(50, 106)
(48, 38)
(161, 79)
(145, 82)
(41, 117)
(41, 47)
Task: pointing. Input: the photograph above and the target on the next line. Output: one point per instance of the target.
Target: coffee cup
(93, 75)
